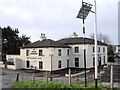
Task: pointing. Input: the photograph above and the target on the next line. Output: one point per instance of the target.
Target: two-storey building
(47, 54)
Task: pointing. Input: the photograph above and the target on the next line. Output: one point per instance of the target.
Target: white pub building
(47, 54)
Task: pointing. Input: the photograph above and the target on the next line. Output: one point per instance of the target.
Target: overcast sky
(57, 18)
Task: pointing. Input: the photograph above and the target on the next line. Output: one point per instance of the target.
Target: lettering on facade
(34, 52)
(33, 58)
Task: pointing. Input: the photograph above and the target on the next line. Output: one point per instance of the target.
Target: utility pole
(96, 51)
(84, 51)
(83, 13)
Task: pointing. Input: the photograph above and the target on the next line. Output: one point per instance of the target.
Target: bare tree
(102, 37)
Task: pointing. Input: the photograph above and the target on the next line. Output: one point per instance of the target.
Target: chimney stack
(42, 37)
(74, 35)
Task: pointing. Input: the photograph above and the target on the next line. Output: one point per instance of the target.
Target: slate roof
(79, 40)
(63, 43)
(45, 43)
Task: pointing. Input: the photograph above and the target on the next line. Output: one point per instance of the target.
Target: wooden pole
(46, 77)
(70, 77)
(33, 75)
(111, 77)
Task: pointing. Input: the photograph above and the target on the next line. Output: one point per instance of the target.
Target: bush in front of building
(110, 54)
(111, 59)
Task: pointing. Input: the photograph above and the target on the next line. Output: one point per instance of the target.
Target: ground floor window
(99, 63)
(28, 64)
(76, 62)
(40, 65)
(10, 61)
(59, 64)
(93, 61)
(104, 59)
(67, 63)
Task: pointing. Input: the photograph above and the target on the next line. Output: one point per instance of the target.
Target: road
(9, 77)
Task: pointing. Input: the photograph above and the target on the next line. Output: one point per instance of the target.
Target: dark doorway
(99, 61)
(40, 65)
(27, 64)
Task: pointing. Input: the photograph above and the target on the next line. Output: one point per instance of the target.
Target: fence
(57, 77)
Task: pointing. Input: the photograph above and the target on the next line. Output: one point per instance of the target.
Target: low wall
(11, 66)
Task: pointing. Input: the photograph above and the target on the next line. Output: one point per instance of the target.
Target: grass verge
(40, 85)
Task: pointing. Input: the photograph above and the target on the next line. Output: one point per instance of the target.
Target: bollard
(17, 78)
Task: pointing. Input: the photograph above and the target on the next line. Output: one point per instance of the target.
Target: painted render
(50, 54)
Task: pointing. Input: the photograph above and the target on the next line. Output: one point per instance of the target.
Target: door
(27, 64)
(99, 61)
(40, 65)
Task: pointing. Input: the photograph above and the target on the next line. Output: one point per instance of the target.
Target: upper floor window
(76, 49)
(40, 52)
(103, 49)
(68, 52)
(27, 52)
(59, 52)
(98, 49)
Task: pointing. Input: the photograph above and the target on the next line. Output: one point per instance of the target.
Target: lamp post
(96, 51)
(51, 66)
(33, 75)
(83, 13)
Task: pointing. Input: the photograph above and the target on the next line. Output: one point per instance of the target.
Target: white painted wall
(21, 59)
(76, 55)
(90, 55)
(46, 58)
(63, 58)
(17, 61)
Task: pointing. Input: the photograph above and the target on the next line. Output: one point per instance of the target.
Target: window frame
(40, 64)
(93, 61)
(27, 64)
(68, 52)
(76, 49)
(59, 64)
(104, 59)
(41, 53)
(98, 49)
(76, 62)
(68, 63)
(27, 52)
(93, 49)
(103, 49)
(59, 52)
